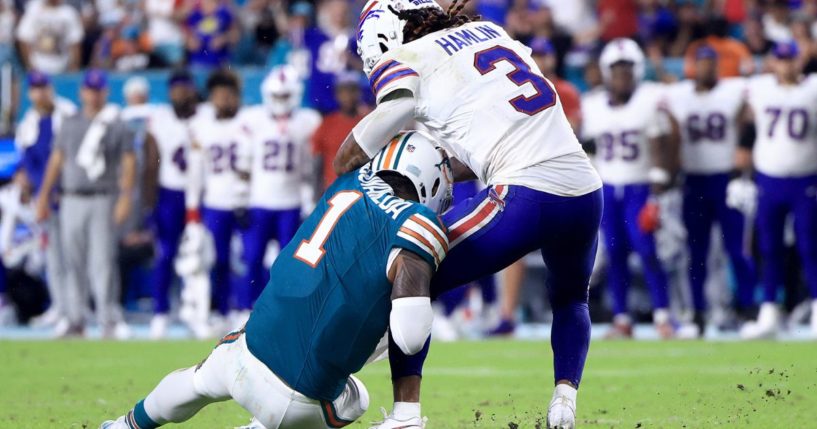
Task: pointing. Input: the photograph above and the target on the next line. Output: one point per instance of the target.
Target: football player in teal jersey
(359, 265)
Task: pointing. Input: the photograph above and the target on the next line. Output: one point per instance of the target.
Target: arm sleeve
(424, 235)
(386, 120)
(410, 323)
(391, 75)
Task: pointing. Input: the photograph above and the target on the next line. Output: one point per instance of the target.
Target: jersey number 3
(485, 61)
(311, 251)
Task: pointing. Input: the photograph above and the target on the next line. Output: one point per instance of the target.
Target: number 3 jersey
(328, 299)
(622, 133)
(708, 122)
(482, 97)
(278, 152)
(786, 121)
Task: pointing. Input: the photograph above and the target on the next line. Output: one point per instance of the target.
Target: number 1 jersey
(480, 94)
(328, 299)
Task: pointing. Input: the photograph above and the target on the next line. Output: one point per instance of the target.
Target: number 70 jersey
(786, 122)
(480, 94)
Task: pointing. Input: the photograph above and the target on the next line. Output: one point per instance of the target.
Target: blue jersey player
(359, 265)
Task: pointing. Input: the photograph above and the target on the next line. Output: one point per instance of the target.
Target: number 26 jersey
(480, 94)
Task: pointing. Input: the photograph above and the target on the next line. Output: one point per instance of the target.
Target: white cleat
(562, 408)
(114, 424)
(814, 319)
(47, 319)
(766, 326)
(254, 424)
(389, 422)
(158, 326)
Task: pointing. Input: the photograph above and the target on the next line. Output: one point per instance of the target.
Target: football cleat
(622, 328)
(254, 424)
(158, 326)
(114, 424)
(766, 326)
(562, 408)
(389, 422)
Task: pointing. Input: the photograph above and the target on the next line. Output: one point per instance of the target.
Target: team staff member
(92, 146)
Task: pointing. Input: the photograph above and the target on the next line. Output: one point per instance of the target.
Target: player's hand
(43, 209)
(122, 209)
(649, 218)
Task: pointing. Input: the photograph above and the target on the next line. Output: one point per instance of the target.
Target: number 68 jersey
(481, 96)
(786, 122)
(328, 299)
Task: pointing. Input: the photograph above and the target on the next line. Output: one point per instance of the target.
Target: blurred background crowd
(143, 44)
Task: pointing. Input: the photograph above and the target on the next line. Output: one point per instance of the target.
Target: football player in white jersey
(167, 144)
(480, 94)
(630, 130)
(217, 179)
(784, 105)
(279, 173)
(709, 112)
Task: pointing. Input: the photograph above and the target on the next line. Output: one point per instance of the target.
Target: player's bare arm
(461, 171)
(393, 113)
(743, 154)
(150, 181)
(126, 180)
(410, 276)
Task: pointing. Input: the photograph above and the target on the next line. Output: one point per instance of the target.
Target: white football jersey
(708, 122)
(786, 123)
(622, 133)
(278, 156)
(225, 144)
(172, 137)
(482, 97)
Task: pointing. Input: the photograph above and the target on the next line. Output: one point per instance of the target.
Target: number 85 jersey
(482, 97)
(786, 121)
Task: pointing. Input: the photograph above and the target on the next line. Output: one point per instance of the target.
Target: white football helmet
(416, 156)
(282, 90)
(379, 29)
(618, 50)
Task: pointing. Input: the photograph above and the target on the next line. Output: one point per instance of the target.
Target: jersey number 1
(311, 251)
(485, 61)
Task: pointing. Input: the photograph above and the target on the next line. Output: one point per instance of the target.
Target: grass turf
(492, 384)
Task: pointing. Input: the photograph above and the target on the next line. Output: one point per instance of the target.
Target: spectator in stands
(617, 18)
(690, 27)
(776, 21)
(96, 189)
(7, 19)
(163, 30)
(734, 58)
(35, 134)
(50, 33)
(755, 39)
(336, 126)
(212, 31)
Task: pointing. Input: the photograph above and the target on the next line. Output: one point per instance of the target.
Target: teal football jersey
(328, 299)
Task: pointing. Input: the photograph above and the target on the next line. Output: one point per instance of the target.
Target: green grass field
(495, 384)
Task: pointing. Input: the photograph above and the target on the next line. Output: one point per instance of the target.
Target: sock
(138, 418)
(565, 390)
(406, 410)
(403, 365)
(660, 316)
(570, 339)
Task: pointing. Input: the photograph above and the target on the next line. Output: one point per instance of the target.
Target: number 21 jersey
(786, 121)
(482, 97)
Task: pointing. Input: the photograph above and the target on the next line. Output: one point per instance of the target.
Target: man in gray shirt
(94, 163)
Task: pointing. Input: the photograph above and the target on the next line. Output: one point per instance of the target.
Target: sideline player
(479, 93)
(629, 130)
(360, 264)
(218, 175)
(784, 105)
(280, 133)
(709, 112)
(167, 144)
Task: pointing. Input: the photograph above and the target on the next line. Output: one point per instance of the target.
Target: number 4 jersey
(786, 121)
(328, 300)
(480, 94)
